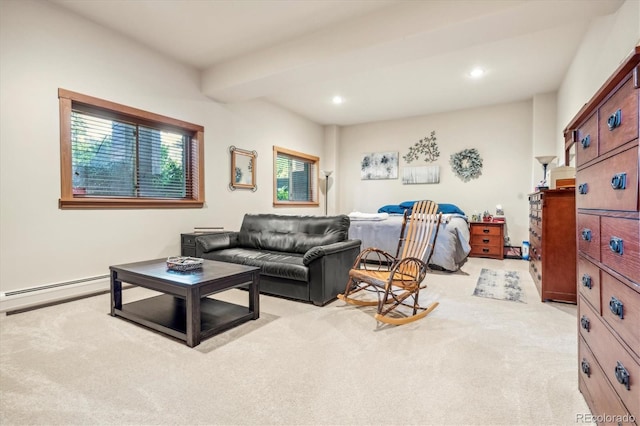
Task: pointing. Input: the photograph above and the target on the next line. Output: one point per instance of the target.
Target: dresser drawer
(588, 227)
(535, 269)
(535, 234)
(611, 356)
(587, 143)
(589, 282)
(595, 184)
(619, 245)
(621, 310)
(595, 387)
(619, 118)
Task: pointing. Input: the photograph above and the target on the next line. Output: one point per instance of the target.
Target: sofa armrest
(320, 251)
(211, 242)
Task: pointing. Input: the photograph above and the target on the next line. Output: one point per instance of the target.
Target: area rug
(499, 284)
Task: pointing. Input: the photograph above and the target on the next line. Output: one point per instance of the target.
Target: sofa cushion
(291, 234)
(276, 264)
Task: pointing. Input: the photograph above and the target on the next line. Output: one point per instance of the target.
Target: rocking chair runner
(397, 278)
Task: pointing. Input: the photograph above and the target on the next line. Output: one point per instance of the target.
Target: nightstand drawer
(485, 229)
(487, 240)
(188, 239)
(488, 251)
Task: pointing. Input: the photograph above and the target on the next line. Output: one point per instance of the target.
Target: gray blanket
(451, 248)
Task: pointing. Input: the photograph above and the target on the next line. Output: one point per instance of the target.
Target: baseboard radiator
(43, 295)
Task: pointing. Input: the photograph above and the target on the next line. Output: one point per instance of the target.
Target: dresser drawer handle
(585, 323)
(485, 240)
(485, 250)
(586, 141)
(486, 230)
(583, 188)
(586, 368)
(586, 281)
(619, 181)
(616, 245)
(615, 120)
(622, 375)
(586, 234)
(616, 307)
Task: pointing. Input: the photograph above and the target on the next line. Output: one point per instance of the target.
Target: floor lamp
(326, 173)
(545, 160)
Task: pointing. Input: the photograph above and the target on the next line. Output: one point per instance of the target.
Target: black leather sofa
(300, 257)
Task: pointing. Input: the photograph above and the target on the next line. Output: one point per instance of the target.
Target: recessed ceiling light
(476, 72)
(337, 100)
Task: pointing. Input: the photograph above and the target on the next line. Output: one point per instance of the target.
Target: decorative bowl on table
(184, 263)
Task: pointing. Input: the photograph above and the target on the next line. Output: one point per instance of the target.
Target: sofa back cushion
(293, 234)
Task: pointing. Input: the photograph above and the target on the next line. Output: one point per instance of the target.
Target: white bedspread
(452, 243)
(368, 216)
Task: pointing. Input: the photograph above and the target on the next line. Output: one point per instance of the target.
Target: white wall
(502, 135)
(608, 42)
(43, 47)
(543, 136)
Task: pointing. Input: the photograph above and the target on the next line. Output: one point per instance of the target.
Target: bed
(382, 230)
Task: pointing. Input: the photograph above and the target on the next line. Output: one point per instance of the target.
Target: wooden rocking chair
(397, 278)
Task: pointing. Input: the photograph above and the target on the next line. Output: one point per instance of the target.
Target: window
(295, 178)
(114, 156)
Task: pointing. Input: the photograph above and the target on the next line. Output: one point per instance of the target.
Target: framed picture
(420, 174)
(379, 165)
(243, 169)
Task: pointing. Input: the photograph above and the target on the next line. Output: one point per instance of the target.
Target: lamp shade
(327, 173)
(545, 159)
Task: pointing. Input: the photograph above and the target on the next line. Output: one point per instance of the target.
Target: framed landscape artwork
(379, 165)
(420, 174)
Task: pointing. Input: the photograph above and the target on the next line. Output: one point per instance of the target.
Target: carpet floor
(472, 361)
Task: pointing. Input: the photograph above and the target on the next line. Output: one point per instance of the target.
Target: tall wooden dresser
(552, 251)
(605, 137)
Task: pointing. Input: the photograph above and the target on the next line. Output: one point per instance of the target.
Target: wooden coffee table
(183, 310)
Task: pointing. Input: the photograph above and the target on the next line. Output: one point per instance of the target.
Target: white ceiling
(388, 59)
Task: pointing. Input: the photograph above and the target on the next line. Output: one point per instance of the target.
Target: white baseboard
(53, 293)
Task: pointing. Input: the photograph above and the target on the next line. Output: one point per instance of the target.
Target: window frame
(195, 178)
(315, 202)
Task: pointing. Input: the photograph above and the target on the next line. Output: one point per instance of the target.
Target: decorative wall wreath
(466, 164)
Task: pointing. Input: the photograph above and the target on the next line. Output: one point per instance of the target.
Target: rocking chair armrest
(319, 251)
(380, 254)
(422, 271)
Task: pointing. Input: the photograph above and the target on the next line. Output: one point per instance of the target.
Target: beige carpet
(473, 361)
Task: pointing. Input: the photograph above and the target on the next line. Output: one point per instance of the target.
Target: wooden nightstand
(487, 239)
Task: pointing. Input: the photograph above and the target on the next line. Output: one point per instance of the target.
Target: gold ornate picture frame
(243, 169)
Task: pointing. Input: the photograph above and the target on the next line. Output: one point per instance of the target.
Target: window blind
(115, 158)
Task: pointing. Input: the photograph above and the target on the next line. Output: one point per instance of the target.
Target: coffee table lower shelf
(167, 314)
